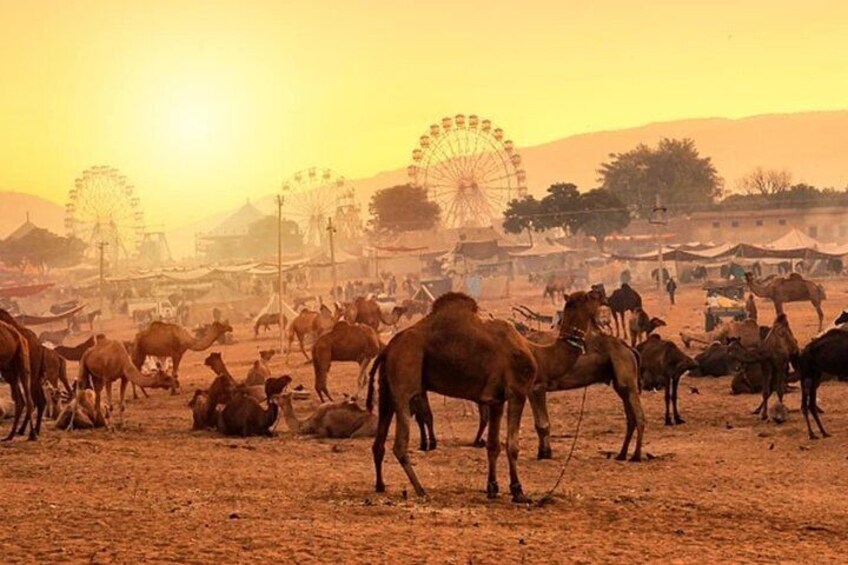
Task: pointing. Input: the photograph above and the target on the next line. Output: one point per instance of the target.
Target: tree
(43, 250)
(766, 182)
(674, 170)
(403, 207)
(560, 207)
(523, 215)
(602, 214)
(261, 238)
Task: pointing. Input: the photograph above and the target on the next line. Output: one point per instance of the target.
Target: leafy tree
(43, 250)
(523, 215)
(261, 238)
(797, 196)
(403, 207)
(766, 182)
(560, 207)
(602, 214)
(674, 170)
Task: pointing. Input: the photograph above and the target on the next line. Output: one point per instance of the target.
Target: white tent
(793, 239)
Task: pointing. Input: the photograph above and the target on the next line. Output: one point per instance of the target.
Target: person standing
(671, 287)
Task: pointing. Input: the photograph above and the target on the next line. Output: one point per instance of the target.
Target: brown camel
(199, 405)
(344, 419)
(453, 352)
(244, 416)
(309, 322)
(162, 339)
(641, 324)
(36, 366)
(261, 369)
(345, 342)
(746, 331)
(793, 288)
(221, 390)
(367, 311)
(56, 371)
(582, 356)
(108, 361)
(80, 413)
(15, 366)
(662, 365)
(74, 353)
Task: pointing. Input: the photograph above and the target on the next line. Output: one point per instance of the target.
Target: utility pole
(658, 218)
(101, 246)
(280, 200)
(331, 230)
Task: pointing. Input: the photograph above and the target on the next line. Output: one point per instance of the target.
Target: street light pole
(658, 218)
(280, 200)
(101, 246)
(331, 230)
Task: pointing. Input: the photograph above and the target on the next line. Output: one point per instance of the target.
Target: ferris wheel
(312, 197)
(469, 168)
(103, 208)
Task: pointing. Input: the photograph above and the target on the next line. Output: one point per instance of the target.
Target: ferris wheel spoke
(439, 151)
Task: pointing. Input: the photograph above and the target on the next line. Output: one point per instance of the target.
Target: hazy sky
(202, 104)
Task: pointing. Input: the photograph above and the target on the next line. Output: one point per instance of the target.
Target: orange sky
(202, 104)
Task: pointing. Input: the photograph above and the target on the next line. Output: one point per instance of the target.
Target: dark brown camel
(825, 354)
(622, 300)
(74, 353)
(345, 342)
(662, 365)
(221, 390)
(453, 352)
(265, 321)
(36, 365)
(243, 416)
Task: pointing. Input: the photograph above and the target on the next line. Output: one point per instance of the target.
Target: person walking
(671, 287)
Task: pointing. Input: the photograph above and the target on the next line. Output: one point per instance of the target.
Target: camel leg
(401, 446)
(40, 402)
(539, 407)
(424, 417)
(815, 411)
(99, 420)
(483, 413)
(515, 408)
(493, 448)
(17, 397)
(806, 387)
(302, 348)
(321, 382)
(123, 396)
(362, 382)
(635, 422)
(820, 314)
(766, 395)
(386, 411)
(675, 386)
(667, 388)
(176, 361)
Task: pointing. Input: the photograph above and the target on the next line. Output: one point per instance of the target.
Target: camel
(622, 300)
(74, 353)
(56, 370)
(662, 365)
(56, 338)
(36, 365)
(309, 322)
(81, 413)
(343, 419)
(578, 359)
(244, 416)
(107, 362)
(345, 342)
(54, 401)
(368, 312)
(453, 352)
(641, 324)
(793, 288)
(225, 387)
(162, 339)
(260, 370)
(265, 321)
(16, 366)
(779, 348)
(825, 354)
(748, 332)
(199, 405)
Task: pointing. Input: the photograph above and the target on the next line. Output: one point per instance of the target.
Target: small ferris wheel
(469, 168)
(102, 207)
(312, 197)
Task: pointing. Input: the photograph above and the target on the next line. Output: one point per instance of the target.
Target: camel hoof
(813, 436)
(422, 447)
(637, 458)
(679, 420)
(621, 457)
(492, 489)
(432, 445)
(668, 422)
(825, 434)
(546, 453)
(380, 487)
(518, 496)
(478, 443)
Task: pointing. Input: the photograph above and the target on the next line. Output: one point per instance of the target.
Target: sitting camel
(344, 419)
(641, 324)
(244, 416)
(311, 323)
(107, 362)
(162, 339)
(80, 413)
(345, 342)
(747, 331)
(261, 369)
(222, 390)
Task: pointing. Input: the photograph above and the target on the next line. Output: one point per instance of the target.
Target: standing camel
(368, 312)
(825, 354)
(793, 288)
(622, 300)
(309, 322)
(163, 339)
(578, 358)
(15, 367)
(345, 342)
(108, 361)
(453, 352)
(36, 371)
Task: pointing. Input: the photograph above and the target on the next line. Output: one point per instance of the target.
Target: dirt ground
(722, 487)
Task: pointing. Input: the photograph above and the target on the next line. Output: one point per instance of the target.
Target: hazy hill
(14, 207)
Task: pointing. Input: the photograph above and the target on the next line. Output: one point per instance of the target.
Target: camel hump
(795, 277)
(455, 300)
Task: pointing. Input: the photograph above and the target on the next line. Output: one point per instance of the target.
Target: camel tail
(369, 400)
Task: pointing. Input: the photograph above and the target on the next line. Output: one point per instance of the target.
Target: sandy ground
(722, 487)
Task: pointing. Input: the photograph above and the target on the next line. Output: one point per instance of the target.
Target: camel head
(220, 328)
(275, 386)
(579, 310)
(267, 354)
(657, 322)
(215, 362)
(843, 318)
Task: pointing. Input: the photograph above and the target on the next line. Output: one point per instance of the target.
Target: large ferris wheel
(103, 208)
(312, 197)
(469, 167)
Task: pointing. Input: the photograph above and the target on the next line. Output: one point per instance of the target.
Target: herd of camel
(452, 350)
